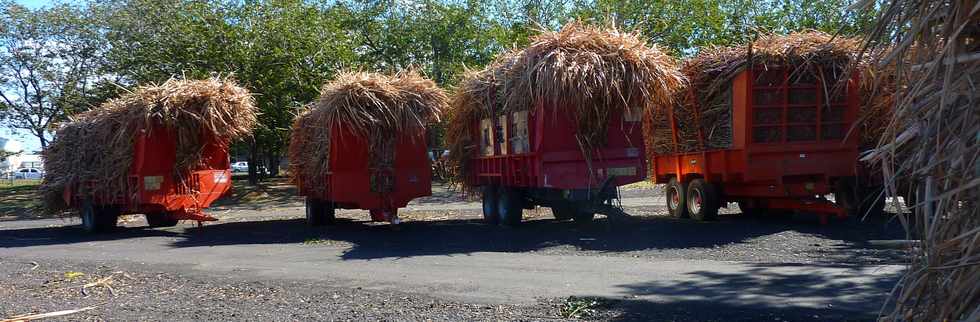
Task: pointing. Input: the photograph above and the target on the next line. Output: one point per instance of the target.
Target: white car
(241, 166)
(29, 173)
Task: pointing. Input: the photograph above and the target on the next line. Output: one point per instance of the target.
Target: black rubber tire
(846, 196)
(491, 214)
(319, 212)
(90, 222)
(98, 219)
(676, 207)
(706, 192)
(160, 219)
(510, 206)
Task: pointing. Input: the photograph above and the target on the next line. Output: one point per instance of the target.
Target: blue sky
(35, 3)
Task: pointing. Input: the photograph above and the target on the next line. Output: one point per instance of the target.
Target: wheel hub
(674, 198)
(696, 202)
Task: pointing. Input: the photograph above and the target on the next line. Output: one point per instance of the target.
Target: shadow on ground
(462, 236)
(761, 292)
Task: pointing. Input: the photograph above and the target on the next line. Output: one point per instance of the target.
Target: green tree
(281, 50)
(50, 61)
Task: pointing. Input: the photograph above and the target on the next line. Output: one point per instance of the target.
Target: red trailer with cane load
(792, 144)
(531, 158)
(153, 189)
(351, 183)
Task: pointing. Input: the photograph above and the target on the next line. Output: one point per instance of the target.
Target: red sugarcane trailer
(790, 147)
(533, 158)
(153, 189)
(349, 180)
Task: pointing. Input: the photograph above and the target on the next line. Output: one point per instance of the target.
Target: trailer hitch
(604, 200)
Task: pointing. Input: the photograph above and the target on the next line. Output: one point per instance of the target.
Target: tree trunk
(253, 178)
(44, 141)
(273, 158)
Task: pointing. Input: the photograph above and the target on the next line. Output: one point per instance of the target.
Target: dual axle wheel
(502, 206)
(505, 206)
(319, 212)
(696, 199)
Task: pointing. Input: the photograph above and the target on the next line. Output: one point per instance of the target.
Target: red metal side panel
(556, 160)
(349, 180)
(780, 167)
(157, 189)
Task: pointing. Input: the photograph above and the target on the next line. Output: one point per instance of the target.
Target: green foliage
(49, 62)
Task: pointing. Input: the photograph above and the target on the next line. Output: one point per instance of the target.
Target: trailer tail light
(152, 183)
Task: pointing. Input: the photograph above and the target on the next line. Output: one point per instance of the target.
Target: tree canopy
(63, 59)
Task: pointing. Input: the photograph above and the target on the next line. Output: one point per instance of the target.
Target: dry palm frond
(930, 151)
(97, 148)
(589, 72)
(376, 107)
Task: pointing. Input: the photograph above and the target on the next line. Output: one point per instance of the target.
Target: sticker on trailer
(622, 172)
(220, 177)
(152, 183)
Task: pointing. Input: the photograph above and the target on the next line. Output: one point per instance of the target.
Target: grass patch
(271, 192)
(316, 241)
(18, 199)
(579, 307)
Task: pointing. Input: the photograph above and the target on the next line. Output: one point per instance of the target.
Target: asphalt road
(718, 270)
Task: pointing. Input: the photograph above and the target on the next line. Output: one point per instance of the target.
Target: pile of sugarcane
(96, 148)
(929, 152)
(588, 72)
(705, 103)
(377, 107)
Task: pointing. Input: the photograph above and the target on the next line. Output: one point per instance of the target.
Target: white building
(20, 159)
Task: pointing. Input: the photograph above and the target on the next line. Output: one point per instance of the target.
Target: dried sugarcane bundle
(591, 72)
(97, 147)
(373, 106)
(704, 105)
(930, 149)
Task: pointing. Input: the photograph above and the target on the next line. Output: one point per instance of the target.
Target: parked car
(241, 166)
(29, 173)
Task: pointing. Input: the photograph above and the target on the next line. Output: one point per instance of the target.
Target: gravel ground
(650, 234)
(132, 292)
(151, 293)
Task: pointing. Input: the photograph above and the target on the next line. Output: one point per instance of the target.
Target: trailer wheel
(676, 194)
(510, 207)
(702, 200)
(160, 219)
(491, 213)
(319, 212)
(98, 219)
